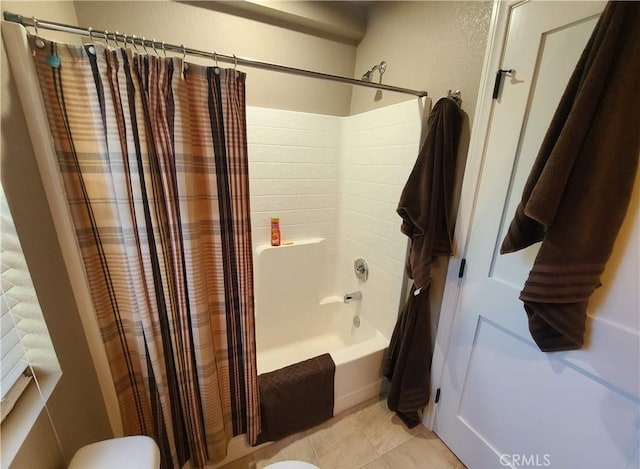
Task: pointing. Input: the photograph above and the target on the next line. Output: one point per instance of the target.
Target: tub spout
(349, 297)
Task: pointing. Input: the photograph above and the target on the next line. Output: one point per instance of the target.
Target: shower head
(381, 67)
(369, 74)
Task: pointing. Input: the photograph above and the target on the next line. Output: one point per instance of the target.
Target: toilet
(130, 452)
(139, 452)
(291, 465)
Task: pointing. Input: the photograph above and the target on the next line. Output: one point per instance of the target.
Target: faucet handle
(361, 268)
(349, 297)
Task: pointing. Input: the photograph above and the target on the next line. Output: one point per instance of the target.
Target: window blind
(16, 296)
(13, 361)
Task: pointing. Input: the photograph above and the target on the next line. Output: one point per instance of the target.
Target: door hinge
(437, 398)
(463, 264)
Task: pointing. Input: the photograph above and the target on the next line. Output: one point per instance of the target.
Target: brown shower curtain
(155, 169)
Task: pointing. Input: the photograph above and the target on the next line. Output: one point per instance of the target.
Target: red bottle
(275, 231)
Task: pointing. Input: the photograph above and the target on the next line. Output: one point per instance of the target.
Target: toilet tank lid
(130, 452)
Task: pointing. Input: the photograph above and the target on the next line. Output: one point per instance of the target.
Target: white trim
(475, 161)
(17, 47)
(18, 424)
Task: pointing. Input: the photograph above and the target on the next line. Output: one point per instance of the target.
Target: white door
(504, 403)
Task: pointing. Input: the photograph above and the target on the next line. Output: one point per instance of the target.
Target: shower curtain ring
(115, 38)
(133, 42)
(144, 46)
(185, 65)
(235, 62)
(164, 51)
(38, 42)
(216, 69)
(153, 42)
(92, 47)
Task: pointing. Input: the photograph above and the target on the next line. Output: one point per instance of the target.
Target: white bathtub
(356, 351)
(293, 322)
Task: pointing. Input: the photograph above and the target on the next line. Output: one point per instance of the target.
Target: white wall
(293, 172)
(338, 178)
(378, 151)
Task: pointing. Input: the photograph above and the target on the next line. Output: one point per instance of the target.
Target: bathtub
(296, 319)
(295, 322)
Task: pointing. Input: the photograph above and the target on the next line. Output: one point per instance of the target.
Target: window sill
(18, 423)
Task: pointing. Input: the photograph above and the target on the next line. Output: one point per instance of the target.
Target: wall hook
(497, 84)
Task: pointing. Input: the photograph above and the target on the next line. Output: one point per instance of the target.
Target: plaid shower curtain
(155, 169)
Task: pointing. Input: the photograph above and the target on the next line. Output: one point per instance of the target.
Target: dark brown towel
(424, 203)
(296, 397)
(424, 208)
(407, 363)
(579, 188)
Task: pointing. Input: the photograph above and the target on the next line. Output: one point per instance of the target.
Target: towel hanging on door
(424, 207)
(580, 185)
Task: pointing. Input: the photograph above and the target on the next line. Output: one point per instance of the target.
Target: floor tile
(341, 443)
(421, 452)
(445, 455)
(375, 464)
(355, 439)
(383, 428)
(242, 463)
(296, 447)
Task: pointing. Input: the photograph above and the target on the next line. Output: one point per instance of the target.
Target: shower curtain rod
(162, 46)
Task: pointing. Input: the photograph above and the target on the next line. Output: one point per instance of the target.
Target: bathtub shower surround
(156, 174)
(377, 151)
(293, 175)
(338, 178)
(335, 183)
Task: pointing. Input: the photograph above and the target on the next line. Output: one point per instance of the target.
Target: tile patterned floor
(366, 437)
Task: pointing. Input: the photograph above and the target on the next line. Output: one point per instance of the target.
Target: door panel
(528, 404)
(500, 395)
(546, 90)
